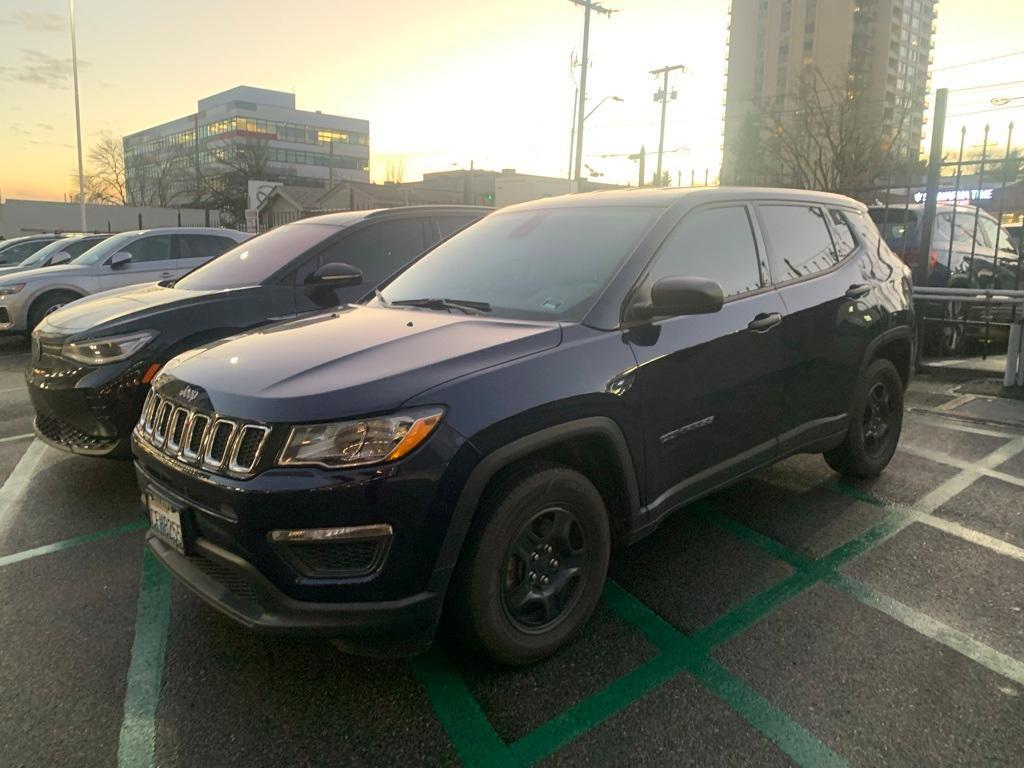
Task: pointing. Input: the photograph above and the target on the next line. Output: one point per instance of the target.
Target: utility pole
(78, 118)
(641, 157)
(588, 6)
(663, 96)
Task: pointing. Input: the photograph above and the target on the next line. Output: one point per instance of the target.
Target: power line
(979, 61)
(990, 85)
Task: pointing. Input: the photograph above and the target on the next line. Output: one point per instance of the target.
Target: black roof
(347, 218)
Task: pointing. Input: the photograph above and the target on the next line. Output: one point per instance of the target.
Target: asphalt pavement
(793, 618)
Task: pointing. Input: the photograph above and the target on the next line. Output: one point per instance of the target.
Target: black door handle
(764, 322)
(857, 291)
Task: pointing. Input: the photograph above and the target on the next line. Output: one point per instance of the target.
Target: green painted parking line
(459, 712)
(827, 569)
(136, 746)
(59, 546)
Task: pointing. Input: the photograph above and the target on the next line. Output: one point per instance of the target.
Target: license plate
(166, 521)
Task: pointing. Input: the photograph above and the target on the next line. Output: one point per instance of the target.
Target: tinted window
(845, 242)
(150, 248)
(799, 241)
(717, 244)
(81, 245)
(449, 224)
(380, 249)
(107, 247)
(204, 246)
(896, 225)
(18, 253)
(549, 263)
(252, 262)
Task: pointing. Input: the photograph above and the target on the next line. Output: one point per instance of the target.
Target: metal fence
(968, 275)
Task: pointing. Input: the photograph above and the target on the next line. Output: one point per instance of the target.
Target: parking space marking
(137, 741)
(12, 438)
(827, 570)
(459, 712)
(961, 642)
(927, 417)
(59, 546)
(17, 483)
(22, 388)
(942, 458)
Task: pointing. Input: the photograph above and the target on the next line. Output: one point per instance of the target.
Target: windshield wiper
(465, 305)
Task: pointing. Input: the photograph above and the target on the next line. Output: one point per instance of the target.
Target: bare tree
(106, 169)
(823, 136)
(395, 170)
(227, 183)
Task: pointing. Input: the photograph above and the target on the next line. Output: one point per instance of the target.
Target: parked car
(57, 252)
(93, 360)
(17, 249)
(1016, 232)
(124, 259)
(968, 259)
(556, 378)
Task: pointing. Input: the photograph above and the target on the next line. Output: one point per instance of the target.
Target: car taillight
(933, 260)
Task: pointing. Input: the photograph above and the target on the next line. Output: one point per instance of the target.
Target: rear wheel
(48, 303)
(875, 424)
(533, 566)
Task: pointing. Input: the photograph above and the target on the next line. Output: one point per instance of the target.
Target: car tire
(533, 566)
(47, 303)
(876, 420)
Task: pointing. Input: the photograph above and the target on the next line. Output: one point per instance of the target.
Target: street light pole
(664, 96)
(78, 117)
(588, 6)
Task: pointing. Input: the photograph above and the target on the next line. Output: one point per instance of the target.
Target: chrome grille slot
(196, 437)
(193, 443)
(247, 448)
(176, 429)
(163, 418)
(220, 440)
(150, 413)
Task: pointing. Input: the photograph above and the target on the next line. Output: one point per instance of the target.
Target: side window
(716, 243)
(845, 242)
(18, 253)
(152, 248)
(799, 241)
(449, 224)
(204, 246)
(79, 247)
(378, 250)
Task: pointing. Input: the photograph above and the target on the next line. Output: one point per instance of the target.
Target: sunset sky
(442, 83)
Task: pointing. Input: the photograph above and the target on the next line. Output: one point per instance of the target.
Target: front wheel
(875, 423)
(47, 304)
(533, 567)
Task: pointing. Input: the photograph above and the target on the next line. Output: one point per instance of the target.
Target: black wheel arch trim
(492, 463)
(898, 333)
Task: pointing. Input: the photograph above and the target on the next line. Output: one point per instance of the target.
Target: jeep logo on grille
(189, 394)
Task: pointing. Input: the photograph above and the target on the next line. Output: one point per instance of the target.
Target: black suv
(552, 381)
(92, 361)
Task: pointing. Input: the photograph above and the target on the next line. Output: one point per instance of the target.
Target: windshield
(547, 264)
(255, 260)
(108, 247)
(43, 255)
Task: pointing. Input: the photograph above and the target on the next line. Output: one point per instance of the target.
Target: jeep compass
(548, 383)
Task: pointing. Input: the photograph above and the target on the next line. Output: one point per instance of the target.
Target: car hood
(120, 305)
(55, 273)
(10, 269)
(354, 361)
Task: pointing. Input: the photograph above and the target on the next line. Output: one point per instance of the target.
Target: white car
(58, 252)
(149, 255)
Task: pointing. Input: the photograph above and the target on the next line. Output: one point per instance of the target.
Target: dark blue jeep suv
(540, 387)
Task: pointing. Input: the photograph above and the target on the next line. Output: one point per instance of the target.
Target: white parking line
(17, 483)
(960, 482)
(942, 458)
(12, 438)
(13, 389)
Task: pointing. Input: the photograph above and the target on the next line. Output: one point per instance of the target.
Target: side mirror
(60, 257)
(674, 296)
(336, 275)
(119, 259)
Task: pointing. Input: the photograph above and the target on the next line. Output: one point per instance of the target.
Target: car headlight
(7, 290)
(111, 349)
(360, 442)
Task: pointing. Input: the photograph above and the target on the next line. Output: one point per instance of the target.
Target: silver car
(150, 255)
(58, 252)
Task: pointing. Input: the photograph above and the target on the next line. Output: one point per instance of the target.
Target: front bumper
(11, 312)
(85, 410)
(235, 563)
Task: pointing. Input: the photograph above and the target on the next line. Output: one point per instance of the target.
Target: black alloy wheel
(877, 420)
(543, 569)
